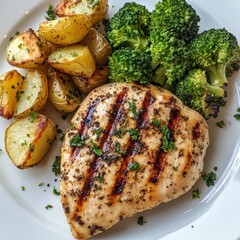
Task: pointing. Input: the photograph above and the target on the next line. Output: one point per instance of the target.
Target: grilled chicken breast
(128, 149)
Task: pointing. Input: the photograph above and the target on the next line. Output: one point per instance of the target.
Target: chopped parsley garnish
(134, 166)
(133, 108)
(156, 122)
(221, 124)
(56, 167)
(39, 43)
(55, 191)
(209, 178)
(175, 168)
(196, 194)
(31, 148)
(120, 132)
(215, 168)
(49, 206)
(40, 184)
(18, 95)
(24, 143)
(93, 3)
(99, 179)
(237, 116)
(74, 54)
(22, 188)
(118, 148)
(50, 13)
(77, 141)
(98, 151)
(238, 109)
(134, 134)
(20, 45)
(167, 140)
(0, 150)
(98, 131)
(141, 221)
(32, 116)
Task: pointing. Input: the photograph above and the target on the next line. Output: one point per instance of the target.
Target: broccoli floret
(214, 50)
(232, 67)
(170, 55)
(129, 27)
(130, 65)
(197, 93)
(177, 16)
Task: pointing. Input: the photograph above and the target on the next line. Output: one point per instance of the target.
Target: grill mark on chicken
(160, 162)
(86, 123)
(132, 147)
(117, 110)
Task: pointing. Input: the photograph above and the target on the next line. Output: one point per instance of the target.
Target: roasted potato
(10, 86)
(63, 94)
(25, 50)
(33, 94)
(86, 85)
(28, 139)
(47, 46)
(76, 60)
(66, 30)
(99, 46)
(96, 9)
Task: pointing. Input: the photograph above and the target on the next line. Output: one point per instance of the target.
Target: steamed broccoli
(130, 65)
(170, 55)
(178, 16)
(232, 67)
(214, 50)
(129, 27)
(197, 93)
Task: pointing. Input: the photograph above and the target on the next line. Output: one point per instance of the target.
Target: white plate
(23, 214)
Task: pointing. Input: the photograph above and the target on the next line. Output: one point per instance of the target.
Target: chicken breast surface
(128, 149)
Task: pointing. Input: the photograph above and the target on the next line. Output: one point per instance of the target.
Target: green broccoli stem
(159, 76)
(217, 75)
(215, 90)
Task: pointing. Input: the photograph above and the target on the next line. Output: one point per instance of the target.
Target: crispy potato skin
(97, 10)
(99, 46)
(28, 140)
(25, 51)
(86, 85)
(76, 60)
(66, 30)
(10, 86)
(33, 95)
(62, 92)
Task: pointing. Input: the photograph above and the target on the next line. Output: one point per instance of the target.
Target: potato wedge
(99, 46)
(86, 85)
(47, 46)
(28, 139)
(76, 60)
(25, 51)
(10, 86)
(33, 95)
(63, 94)
(66, 30)
(96, 9)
